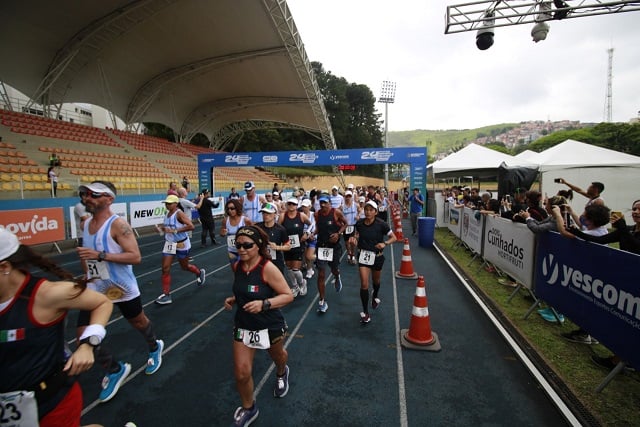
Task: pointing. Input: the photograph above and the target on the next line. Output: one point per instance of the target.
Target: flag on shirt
(253, 288)
(10, 335)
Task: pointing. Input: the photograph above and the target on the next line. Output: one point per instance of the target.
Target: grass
(617, 405)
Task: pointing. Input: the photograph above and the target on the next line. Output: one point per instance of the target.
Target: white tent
(581, 164)
(527, 155)
(475, 160)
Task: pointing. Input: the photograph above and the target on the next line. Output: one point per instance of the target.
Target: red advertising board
(34, 226)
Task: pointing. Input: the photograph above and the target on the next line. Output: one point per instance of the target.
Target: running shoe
(164, 299)
(547, 314)
(296, 291)
(303, 288)
(310, 273)
(323, 307)
(506, 282)
(338, 284)
(243, 416)
(375, 303)
(364, 317)
(111, 382)
(580, 337)
(282, 384)
(155, 359)
(201, 278)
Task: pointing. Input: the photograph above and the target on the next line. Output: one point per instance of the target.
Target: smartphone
(618, 214)
(558, 180)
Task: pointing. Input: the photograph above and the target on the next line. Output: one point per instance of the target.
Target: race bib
(367, 257)
(294, 240)
(97, 270)
(231, 241)
(273, 253)
(169, 248)
(255, 339)
(325, 254)
(18, 409)
(349, 229)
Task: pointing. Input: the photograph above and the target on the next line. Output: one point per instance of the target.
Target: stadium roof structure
(216, 67)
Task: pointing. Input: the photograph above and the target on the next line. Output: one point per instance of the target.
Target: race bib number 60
(325, 254)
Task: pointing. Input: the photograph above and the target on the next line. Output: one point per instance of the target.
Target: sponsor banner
(596, 287)
(471, 229)
(510, 246)
(146, 213)
(34, 226)
(119, 209)
(455, 221)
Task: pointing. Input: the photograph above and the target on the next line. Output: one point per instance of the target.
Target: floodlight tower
(387, 96)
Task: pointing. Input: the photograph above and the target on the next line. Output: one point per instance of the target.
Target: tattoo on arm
(125, 229)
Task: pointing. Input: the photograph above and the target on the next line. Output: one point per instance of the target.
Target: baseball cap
(372, 204)
(335, 187)
(324, 198)
(350, 187)
(97, 187)
(268, 208)
(348, 193)
(171, 199)
(249, 186)
(275, 193)
(292, 200)
(306, 202)
(9, 243)
(361, 199)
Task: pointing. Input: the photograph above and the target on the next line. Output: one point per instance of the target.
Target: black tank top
(326, 225)
(293, 225)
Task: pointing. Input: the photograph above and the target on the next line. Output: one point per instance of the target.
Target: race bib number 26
(255, 339)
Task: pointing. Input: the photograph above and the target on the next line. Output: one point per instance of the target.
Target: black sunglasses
(231, 208)
(245, 245)
(91, 194)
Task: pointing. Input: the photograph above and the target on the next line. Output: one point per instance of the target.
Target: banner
(510, 246)
(34, 226)
(146, 213)
(596, 287)
(455, 220)
(471, 229)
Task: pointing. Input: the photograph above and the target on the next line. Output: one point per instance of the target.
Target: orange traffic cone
(406, 266)
(398, 231)
(419, 335)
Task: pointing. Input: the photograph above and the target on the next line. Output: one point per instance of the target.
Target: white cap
(350, 187)
(292, 200)
(361, 199)
(335, 187)
(348, 193)
(97, 187)
(372, 204)
(306, 202)
(9, 243)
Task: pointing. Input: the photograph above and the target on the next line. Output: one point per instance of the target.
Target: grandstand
(135, 163)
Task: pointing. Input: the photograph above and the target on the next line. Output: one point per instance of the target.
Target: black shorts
(294, 254)
(335, 262)
(128, 309)
(377, 264)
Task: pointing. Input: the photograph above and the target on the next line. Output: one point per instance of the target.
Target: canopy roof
(575, 154)
(194, 65)
(475, 160)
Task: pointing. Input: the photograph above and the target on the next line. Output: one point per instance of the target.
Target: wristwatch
(266, 305)
(102, 255)
(92, 340)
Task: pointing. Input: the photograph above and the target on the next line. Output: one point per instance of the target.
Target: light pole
(387, 96)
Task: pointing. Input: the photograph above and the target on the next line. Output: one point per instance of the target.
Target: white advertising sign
(146, 213)
(510, 246)
(455, 220)
(471, 229)
(119, 209)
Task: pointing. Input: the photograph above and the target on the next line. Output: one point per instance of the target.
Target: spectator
(514, 205)
(533, 200)
(52, 178)
(54, 161)
(173, 189)
(336, 199)
(593, 192)
(416, 205)
(186, 205)
(185, 183)
(234, 194)
(80, 215)
(205, 206)
(275, 188)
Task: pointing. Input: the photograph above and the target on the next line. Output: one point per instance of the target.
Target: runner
(295, 223)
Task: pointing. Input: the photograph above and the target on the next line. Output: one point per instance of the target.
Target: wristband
(94, 329)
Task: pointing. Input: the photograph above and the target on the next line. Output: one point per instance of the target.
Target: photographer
(204, 207)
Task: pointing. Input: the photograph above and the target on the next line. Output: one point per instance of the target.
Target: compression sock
(150, 336)
(364, 297)
(166, 284)
(376, 289)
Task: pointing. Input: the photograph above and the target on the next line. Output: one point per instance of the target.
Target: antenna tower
(607, 103)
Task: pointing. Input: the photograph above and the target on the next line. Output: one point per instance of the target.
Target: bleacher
(136, 164)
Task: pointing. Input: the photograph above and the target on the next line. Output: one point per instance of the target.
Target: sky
(443, 81)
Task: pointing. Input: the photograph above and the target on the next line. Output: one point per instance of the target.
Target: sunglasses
(91, 194)
(245, 245)
(231, 208)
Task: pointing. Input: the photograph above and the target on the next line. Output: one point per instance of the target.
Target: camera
(558, 180)
(484, 37)
(540, 31)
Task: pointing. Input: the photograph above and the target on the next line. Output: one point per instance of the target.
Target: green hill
(438, 141)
